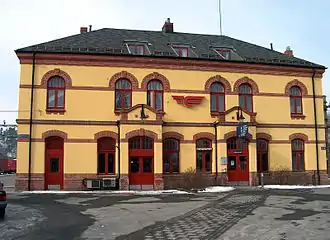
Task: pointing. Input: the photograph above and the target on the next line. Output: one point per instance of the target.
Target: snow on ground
(109, 192)
(215, 189)
(295, 187)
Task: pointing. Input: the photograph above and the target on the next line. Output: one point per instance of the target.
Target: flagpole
(220, 17)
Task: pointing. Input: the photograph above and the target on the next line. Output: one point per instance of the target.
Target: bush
(278, 175)
(195, 180)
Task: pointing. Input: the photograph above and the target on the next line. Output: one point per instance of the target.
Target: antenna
(220, 17)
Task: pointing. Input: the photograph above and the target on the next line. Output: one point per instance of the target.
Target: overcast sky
(304, 25)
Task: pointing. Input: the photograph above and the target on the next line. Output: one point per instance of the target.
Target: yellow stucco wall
(97, 105)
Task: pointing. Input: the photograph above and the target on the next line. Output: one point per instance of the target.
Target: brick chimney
(288, 51)
(83, 30)
(168, 26)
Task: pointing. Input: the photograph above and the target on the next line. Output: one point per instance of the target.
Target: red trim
(153, 100)
(170, 153)
(135, 46)
(180, 50)
(217, 96)
(298, 152)
(260, 153)
(203, 155)
(295, 100)
(222, 51)
(56, 89)
(245, 95)
(123, 91)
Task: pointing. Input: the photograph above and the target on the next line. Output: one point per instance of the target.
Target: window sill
(107, 175)
(297, 116)
(55, 111)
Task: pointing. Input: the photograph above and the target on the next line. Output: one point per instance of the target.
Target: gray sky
(302, 24)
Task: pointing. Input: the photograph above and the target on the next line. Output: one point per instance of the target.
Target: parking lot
(245, 213)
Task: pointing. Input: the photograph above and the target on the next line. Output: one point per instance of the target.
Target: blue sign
(23, 136)
(242, 130)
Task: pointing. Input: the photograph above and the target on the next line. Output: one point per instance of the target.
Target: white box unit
(93, 184)
(109, 182)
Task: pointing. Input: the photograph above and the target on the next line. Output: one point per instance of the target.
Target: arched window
(171, 150)
(217, 93)
(155, 94)
(295, 100)
(298, 156)
(123, 94)
(262, 155)
(204, 155)
(55, 93)
(245, 97)
(106, 151)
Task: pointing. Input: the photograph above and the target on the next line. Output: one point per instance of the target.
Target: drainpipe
(118, 142)
(215, 125)
(316, 131)
(31, 116)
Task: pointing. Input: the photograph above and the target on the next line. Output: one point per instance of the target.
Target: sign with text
(242, 130)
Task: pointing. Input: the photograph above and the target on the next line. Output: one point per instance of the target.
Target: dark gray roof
(111, 41)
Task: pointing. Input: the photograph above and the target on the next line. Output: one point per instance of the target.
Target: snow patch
(215, 189)
(109, 192)
(295, 187)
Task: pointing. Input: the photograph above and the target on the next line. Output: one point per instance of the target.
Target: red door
(237, 160)
(141, 173)
(54, 164)
(238, 168)
(141, 163)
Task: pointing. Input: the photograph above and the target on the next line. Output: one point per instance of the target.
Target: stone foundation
(177, 181)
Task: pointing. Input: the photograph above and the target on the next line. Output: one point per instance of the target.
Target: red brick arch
(218, 79)
(200, 135)
(102, 134)
(54, 133)
(265, 136)
(246, 80)
(297, 83)
(141, 132)
(123, 75)
(232, 134)
(56, 72)
(175, 135)
(301, 136)
(155, 76)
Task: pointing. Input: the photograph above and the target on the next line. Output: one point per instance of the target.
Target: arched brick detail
(266, 136)
(218, 79)
(141, 132)
(56, 72)
(301, 136)
(297, 83)
(54, 133)
(200, 135)
(123, 75)
(254, 86)
(102, 134)
(232, 134)
(175, 135)
(155, 76)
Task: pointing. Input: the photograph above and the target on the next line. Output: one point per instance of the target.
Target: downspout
(216, 150)
(31, 116)
(316, 131)
(118, 142)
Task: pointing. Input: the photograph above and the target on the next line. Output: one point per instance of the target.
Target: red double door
(141, 164)
(238, 168)
(54, 164)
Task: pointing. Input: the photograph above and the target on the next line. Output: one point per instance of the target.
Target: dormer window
(225, 53)
(137, 49)
(181, 51)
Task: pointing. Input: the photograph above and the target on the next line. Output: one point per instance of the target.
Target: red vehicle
(3, 201)
(7, 166)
